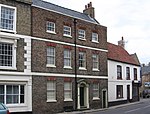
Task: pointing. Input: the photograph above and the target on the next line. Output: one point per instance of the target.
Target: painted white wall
(112, 79)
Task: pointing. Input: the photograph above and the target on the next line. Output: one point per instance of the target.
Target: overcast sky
(127, 18)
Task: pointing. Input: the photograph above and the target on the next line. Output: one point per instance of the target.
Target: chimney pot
(85, 6)
(88, 5)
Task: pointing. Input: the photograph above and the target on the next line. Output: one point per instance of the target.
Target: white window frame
(68, 91)
(15, 19)
(50, 31)
(68, 30)
(96, 90)
(68, 58)
(19, 99)
(51, 56)
(95, 56)
(83, 60)
(13, 41)
(51, 90)
(81, 34)
(95, 36)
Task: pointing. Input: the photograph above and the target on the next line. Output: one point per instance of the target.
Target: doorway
(104, 100)
(128, 93)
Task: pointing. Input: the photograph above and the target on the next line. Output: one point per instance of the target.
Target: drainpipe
(75, 61)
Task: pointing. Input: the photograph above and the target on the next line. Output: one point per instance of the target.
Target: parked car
(3, 109)
(146, 93)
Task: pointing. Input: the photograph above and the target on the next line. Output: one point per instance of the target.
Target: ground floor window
(12, 94)
(119, 91)
(67, 90)
(51, 90)
(95, 90)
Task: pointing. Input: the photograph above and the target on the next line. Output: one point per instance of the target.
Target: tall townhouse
(15, 55)
(123, 75)
(69, 59)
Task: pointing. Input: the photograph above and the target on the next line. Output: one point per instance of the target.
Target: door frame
(106, 99)
(86, 94)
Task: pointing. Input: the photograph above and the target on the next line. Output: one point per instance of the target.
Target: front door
(104, 101)
(82, 96)
(128, 93)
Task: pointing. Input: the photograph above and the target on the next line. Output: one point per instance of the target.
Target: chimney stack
(89, 10)
(122, 43)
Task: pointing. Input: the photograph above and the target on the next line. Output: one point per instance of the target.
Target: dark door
(128, 93)
(81, 96)
(104, 99)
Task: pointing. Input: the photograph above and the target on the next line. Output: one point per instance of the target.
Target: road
(142, 107)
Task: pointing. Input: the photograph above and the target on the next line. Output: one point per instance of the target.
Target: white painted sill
(65, 35)
(95, 41)
(51, 32)
(96, 98)
(51, 100)
(82, 39)
(68, 100)
(8, 68)
(82, 68)
(67, 67)
(49, 65)
(95, 70)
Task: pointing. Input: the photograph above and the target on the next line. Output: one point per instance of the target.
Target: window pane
(51, 26)
(51, 55)
(51, 88)
(7, 18)
(67, 90)
(1, 89)
(6, 54)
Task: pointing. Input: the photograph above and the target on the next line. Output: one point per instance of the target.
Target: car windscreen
(2, 107)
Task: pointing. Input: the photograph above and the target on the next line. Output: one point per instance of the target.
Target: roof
(145, 70)
(64, 11)
(118, 53)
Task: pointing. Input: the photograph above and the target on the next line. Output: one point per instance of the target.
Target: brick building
(69, 59)
(15, 54)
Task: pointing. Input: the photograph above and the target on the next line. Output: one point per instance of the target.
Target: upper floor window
(51, 90)
(67, 91)
(119, 91)
(51, 56)
(94, 37)
(7, 18)
(127, 73)
(135, 73)
(95, 61)
(82, 60)
(12, 94)
(119, 72)
(67, 58)
(67, 31)
(95, 90)
(50, 27)
(8, 53)
(81, 34)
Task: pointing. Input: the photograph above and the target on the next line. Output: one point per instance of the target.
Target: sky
(127, 18)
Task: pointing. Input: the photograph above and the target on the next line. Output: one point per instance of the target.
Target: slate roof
(62, 10)
(117, 53)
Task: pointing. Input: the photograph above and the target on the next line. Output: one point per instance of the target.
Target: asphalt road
(142, 107)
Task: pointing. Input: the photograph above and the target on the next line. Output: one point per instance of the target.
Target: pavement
(102, 109)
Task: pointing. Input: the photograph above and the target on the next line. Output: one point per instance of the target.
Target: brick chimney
(121, 42)
(89, 10)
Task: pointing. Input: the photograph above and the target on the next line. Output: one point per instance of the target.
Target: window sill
(95, 69)
(82, 39)
(48, 65)
(69, 36)
(96, 98)
(68, 100)
(10, 31)
(119, 98)
(51, 32)
(67, 67)
(95, 42)
(15, 105)
(51, 101)
(82, 68)
(8, 68)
